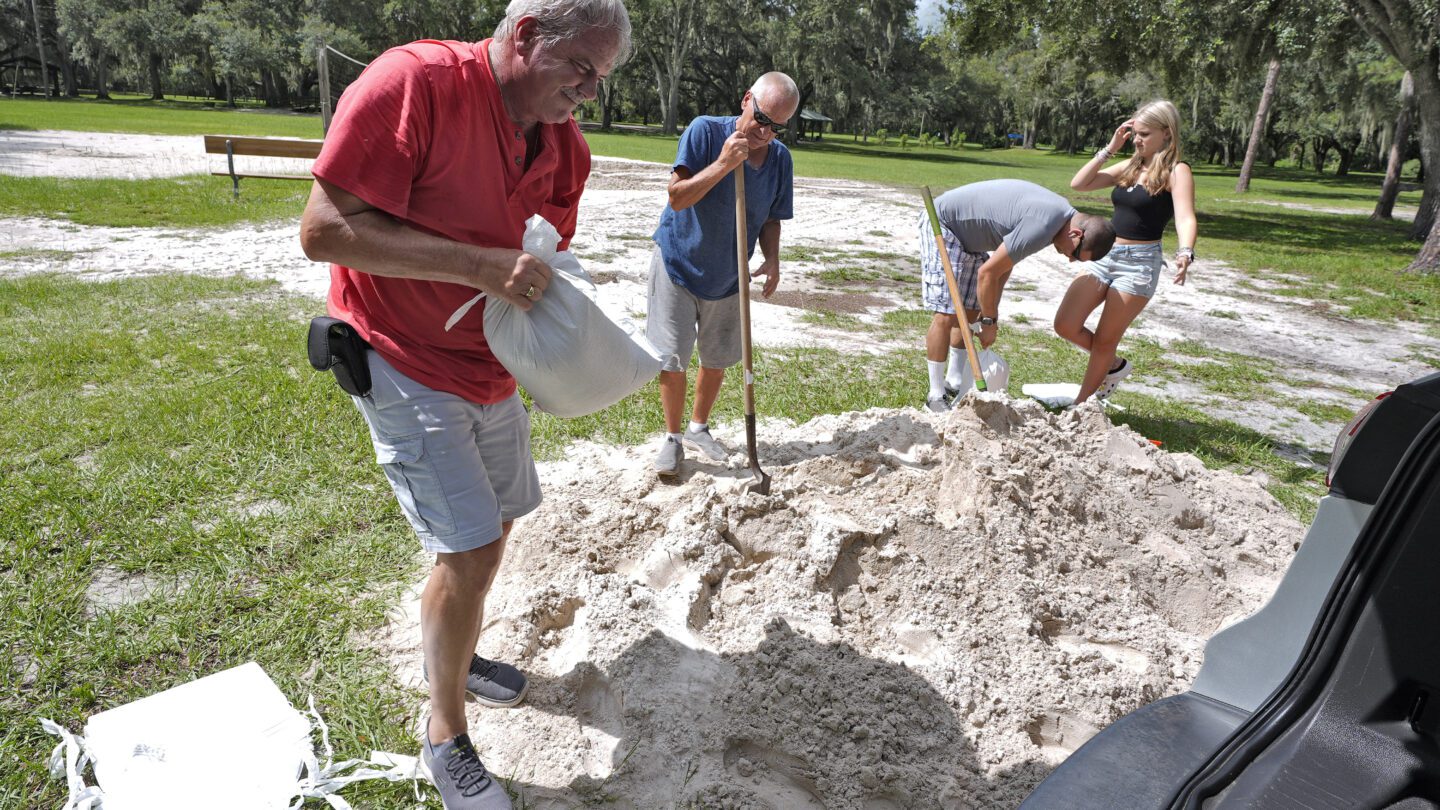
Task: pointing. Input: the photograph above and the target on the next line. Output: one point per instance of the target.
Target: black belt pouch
(334, 345)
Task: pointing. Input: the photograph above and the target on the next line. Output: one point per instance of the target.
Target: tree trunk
(1347, 156)
(1427, 94)
(1267, 97)
(157, 93)
(102, 76)
(1428, 260)
(1321, 150)
(1390, 189)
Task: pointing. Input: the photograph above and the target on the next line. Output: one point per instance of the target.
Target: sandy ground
(929, 610)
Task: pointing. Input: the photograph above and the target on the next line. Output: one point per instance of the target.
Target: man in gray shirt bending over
(988, 227)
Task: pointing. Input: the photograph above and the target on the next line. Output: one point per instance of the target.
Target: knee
(476, 567)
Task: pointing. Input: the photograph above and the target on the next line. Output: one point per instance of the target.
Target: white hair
(563, 20)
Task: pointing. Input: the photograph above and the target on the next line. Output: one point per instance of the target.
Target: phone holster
(335, 346)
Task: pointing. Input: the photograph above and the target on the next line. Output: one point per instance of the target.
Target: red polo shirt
(423, 135)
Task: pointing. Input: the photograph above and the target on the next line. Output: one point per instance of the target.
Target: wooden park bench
(232, 145)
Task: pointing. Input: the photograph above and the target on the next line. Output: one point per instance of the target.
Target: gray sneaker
(456, 771)
(938, 405)
(701, 441)
(1112, 380)
(493, 683)
(667, 464)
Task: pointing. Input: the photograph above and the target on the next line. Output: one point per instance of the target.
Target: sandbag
(568, 354)
(994, 368)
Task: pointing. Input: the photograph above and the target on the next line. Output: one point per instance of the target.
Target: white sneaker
(701, 441)
(937, 404)
(1112, 380)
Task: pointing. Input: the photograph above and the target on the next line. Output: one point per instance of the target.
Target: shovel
(761, 484)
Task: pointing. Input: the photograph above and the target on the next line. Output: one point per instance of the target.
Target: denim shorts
(1132, 269)
(676, 319)
(458, 469)
(934, 290)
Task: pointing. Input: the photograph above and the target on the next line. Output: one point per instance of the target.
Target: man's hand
(770, 268)
(734, 152)
(987, 335)
(521, 283)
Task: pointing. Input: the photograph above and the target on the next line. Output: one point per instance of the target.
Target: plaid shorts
(934, 292)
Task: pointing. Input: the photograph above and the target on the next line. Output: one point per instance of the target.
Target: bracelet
(1188, 253)
(1103, 153)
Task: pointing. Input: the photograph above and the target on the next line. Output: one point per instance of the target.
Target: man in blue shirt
(694, 277)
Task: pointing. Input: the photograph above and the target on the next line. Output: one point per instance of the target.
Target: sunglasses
(766, 121)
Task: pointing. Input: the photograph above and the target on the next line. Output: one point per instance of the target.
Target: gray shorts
(675, 318)
(934, 291)
(1133, 269)
(459, 470)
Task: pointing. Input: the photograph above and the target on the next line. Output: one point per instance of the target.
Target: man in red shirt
(437, 156)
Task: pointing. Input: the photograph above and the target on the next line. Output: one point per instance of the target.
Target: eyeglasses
(764, 120)
(1075, 254)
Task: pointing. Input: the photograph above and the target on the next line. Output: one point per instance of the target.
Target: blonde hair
(1156, 115)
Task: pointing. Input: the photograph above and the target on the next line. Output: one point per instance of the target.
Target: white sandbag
(994, 368)
(228, 741)
(1054, 395)
(569, 355)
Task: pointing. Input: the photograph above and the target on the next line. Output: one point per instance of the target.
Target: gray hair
(563, 20)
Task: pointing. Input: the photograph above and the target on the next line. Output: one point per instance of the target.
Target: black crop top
(1139, 216)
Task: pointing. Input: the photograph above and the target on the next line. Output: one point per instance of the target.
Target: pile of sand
(928, 610)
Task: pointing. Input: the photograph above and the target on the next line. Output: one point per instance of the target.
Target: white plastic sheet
(228, 741)
(569, 355)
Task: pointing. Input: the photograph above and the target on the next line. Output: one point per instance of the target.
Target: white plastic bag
(569, 355)
(992, 366)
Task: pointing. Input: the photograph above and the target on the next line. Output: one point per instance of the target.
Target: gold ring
(530, 293)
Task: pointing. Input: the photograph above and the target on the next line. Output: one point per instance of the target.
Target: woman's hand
(1122, 134)
(1182, 265)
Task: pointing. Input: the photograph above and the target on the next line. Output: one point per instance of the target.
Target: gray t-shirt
(1024, 216)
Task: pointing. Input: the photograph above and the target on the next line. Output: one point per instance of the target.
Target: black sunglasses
(764, 120)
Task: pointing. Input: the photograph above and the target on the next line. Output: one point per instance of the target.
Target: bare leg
(672, 398)
(707, 388)
(1085, 294)
(937, 340)
(957, 339)
(452, 610)
(1120, 311)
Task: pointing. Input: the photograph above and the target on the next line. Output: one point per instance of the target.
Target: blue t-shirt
(698, 243)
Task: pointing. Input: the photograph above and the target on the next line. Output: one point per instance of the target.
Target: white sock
(673, 436)
(955, 377)
(696, 427)
(937, 378)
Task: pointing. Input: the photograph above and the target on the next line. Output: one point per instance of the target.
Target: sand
(928, 610)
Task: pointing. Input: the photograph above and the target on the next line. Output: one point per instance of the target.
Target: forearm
(770, 240)
(374, 242)
(1187, 229)
(989, 288)
(1089, 177)
(686, 191)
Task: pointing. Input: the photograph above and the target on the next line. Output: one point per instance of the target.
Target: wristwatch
(986, 320)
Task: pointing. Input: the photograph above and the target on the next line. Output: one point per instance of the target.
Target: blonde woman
(1150, 189)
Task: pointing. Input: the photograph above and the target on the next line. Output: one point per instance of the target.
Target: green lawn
(154, 118)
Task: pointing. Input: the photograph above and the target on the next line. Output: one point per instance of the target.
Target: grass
(174, 202)
(142, 116)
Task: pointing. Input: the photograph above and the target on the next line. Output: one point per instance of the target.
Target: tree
(666, 33)
(1390, 189)
(1407, 30)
